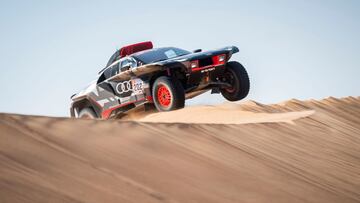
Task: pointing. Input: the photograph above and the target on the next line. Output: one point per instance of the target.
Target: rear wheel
(236, 75)
(168, 94)
(87, 113)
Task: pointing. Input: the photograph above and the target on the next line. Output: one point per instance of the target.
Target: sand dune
(297, 151)
(228, 113)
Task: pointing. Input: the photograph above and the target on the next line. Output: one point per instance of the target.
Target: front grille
(205, 62)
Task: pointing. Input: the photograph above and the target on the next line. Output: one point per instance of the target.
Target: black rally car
(139, 75)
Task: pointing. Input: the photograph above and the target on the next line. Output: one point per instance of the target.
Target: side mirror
(197, 51)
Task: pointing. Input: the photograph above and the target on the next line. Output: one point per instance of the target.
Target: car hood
(194, 56)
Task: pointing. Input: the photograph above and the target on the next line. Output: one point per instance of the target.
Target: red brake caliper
(164, 96)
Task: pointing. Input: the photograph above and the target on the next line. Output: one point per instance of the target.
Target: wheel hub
(229, 78)
(164, 96)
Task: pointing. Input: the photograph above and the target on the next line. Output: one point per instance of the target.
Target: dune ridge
(295, 151)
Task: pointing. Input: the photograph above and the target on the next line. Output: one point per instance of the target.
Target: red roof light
(133, 48)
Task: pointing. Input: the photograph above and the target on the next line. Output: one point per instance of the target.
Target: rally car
(139, 75)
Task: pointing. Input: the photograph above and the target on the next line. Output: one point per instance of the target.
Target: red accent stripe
(106, 113)
(205, 67)
(215, 60)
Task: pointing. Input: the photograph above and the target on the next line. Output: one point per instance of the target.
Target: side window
(128, 63)
(111, 71)
(124, 63)
(133, 63)
(115, 69)
(107, 72)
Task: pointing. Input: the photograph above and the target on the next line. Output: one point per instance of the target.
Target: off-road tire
(168, 94)
(236, 75)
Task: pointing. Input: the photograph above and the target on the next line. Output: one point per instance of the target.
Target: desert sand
(296, 151)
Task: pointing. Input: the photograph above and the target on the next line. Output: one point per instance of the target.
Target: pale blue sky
(291, 49)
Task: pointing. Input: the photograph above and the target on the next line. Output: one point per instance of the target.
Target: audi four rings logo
(124, 87)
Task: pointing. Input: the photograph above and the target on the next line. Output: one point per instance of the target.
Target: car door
(105, 93)
(130, 90)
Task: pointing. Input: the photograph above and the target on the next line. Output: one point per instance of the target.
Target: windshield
(160, 54)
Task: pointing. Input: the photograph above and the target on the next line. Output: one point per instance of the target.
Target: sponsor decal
(138, 86)
(207, 70)
(123, 87)
(135, 86)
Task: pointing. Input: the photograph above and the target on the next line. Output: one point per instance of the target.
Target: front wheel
(236, 75)
(168, 94)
